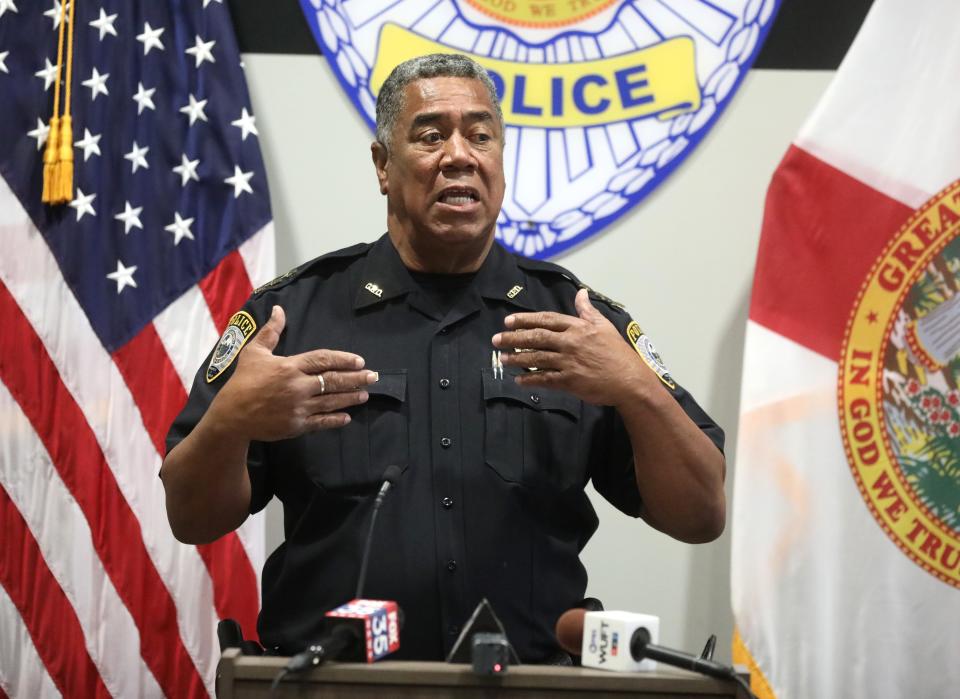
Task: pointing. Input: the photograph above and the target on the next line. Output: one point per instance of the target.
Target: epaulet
(551, 268)
(296, 272)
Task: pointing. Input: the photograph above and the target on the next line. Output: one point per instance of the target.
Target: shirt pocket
(377, 436)
(532, 435)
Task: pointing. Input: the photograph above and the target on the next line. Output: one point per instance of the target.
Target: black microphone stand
(640, 647)
(341, 637)
(389, 478)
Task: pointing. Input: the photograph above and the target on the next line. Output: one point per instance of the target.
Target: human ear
(381, 159)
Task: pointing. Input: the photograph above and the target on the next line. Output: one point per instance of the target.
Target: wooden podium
(249, 677)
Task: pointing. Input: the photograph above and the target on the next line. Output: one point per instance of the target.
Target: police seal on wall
(899, 387)
(602, 98)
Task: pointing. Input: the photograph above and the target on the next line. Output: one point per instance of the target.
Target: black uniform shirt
(491, 500)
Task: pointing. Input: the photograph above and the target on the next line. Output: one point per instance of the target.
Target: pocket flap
(392, 384)
(537, 398)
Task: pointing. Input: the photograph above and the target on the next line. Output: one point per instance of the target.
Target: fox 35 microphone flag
(110, 301)
(846, 518)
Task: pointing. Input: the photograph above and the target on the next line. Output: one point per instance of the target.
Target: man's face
(443, 175)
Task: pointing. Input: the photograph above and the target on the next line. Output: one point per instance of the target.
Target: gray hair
(434, 65)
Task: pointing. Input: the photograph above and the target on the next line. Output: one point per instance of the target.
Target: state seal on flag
(899, 387)
(602, 98)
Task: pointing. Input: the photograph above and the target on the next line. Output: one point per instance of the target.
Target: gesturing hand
(271, 397)
(582, 354)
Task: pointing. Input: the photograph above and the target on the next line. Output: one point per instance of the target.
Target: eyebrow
(428, 118)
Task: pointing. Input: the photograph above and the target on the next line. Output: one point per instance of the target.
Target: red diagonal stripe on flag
(158, 393)
(148, 372)
(47, 613)
(34, 382)
(235, 594)
(226, 288)
(822, 231)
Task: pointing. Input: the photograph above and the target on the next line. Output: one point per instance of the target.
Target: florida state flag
(846, 517)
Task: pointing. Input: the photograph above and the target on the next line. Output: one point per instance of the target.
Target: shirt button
(535, 398)
(444, 383)
(451, 566)
(443, 331)
(453, 629)
(445, 442)
(447, 503)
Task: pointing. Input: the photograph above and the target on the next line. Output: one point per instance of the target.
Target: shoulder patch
(352, 251)
(239, 329)
(648, 353)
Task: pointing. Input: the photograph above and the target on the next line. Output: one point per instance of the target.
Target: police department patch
(602, 98)
(898, 392)
(648, 353)
(239, 330)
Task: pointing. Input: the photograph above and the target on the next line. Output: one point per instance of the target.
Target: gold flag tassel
(58, 157)
(64, 176)
(51, 155)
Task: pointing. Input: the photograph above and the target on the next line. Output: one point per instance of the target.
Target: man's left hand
(583, 354)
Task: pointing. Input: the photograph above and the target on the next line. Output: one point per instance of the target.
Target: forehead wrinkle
(427, 118)
(482, 115)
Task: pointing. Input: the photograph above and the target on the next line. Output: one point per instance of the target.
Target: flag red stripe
(47, 613)
(33, 380)
(822, 232)
(158, 393)
(226, 288)
(235, 594)
(148, 372)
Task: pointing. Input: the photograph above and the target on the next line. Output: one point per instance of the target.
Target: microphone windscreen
(392, 474)
(377, 625)
(570, 630)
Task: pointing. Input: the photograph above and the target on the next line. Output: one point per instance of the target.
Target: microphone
(601, 637)
(374, 629)
(640, 646)
(331, 644)
(361, 630)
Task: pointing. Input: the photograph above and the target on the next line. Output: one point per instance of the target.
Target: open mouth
(459, 196)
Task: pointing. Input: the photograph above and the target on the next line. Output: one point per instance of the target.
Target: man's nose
(458, 153)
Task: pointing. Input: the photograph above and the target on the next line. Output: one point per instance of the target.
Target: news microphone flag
(846, 504)
(377, 623)
(607, 636)
(109, 304)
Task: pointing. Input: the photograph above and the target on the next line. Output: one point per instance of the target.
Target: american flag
(107, 307)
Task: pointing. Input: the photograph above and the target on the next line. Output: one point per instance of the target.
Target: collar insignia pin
(374, 289)
(514, 291)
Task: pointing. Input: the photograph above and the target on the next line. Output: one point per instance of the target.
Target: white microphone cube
(606, 640)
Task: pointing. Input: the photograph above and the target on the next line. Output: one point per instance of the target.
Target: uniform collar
(500, 279)
(384, 277)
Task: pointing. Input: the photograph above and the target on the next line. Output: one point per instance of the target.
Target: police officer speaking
(500, 386)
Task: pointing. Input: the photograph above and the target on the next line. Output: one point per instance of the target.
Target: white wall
(682, 262)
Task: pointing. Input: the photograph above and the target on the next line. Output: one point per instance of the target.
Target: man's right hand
(270, 397)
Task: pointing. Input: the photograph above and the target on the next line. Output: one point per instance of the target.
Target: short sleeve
(612, 468)
(611, 464)
(213, 374)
